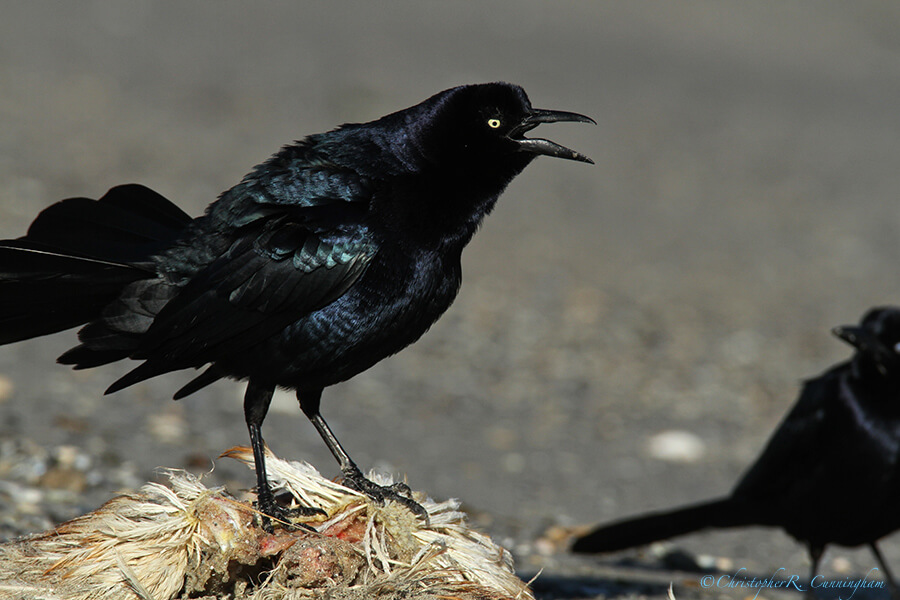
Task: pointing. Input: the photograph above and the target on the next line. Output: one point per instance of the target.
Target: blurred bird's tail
(78, 255)
(663, 525)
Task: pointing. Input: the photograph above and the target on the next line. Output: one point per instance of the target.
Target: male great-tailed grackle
(335, 253)
(830, 474)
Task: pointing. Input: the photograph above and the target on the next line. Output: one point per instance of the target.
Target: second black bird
(830, 474)
(335, 253)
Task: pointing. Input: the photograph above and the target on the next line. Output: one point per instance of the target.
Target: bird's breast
(391, 306)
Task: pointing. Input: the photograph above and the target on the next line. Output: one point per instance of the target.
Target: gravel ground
(743, 202)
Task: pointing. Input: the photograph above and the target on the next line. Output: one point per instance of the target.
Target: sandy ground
(743, 202)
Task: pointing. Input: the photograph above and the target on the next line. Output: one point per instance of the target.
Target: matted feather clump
(190, 541)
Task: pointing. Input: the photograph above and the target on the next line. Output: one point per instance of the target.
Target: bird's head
(482, 127)
(877, 342)
(460, 149)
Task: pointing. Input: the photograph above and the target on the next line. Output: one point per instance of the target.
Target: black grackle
(340, 250)
(830, 474)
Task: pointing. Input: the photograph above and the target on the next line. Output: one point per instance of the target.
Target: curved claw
(398, 492)
(272, 511)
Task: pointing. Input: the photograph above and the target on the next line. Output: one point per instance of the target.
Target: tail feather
(128, 224)
(210, 375)
(653, 527)
(43, 292)
(105, 346)
(78, 256)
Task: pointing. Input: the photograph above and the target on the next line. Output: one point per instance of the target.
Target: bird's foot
(272, 511)
(398, 492)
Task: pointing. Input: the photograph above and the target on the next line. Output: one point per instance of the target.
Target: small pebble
(841, 565)
(676, 446)
(6, 388)
(723, 563)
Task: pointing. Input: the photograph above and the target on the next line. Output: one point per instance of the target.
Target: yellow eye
(493, 123)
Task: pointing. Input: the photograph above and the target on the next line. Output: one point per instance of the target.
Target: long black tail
(78, 255)
(663, 525)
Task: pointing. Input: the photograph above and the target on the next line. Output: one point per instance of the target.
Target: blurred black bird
(340, 250)
(830, 474)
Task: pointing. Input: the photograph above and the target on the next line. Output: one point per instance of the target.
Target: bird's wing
(794, 451)
(279, 269)
(835, 437)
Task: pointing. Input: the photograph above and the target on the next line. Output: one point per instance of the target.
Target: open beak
(868, 343)
(546, 147)
(858, 337)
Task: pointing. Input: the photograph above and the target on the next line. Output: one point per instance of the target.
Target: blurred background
(628, 334)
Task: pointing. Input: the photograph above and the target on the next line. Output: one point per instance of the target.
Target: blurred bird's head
(480, 130)
(877, 342)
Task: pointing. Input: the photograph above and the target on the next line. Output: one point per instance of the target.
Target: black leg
(353, 477)
(815, 555)
(256, 404)
(309, 404)
(888, 576)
